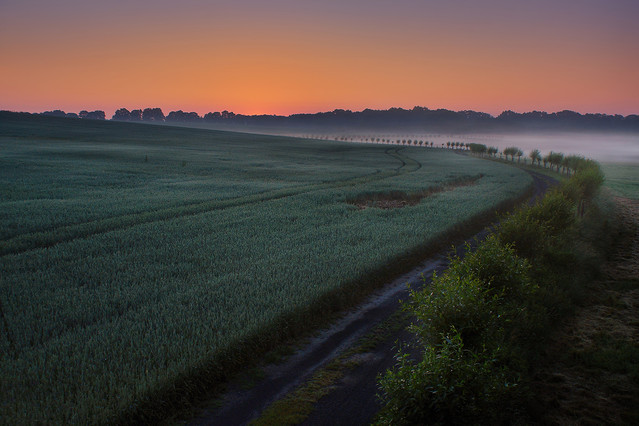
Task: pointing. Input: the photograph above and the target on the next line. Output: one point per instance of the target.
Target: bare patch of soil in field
(592, 375)
(399, 199)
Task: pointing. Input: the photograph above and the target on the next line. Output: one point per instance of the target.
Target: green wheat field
(133, 255)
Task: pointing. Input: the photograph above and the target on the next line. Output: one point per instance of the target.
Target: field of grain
(622, 178)
(131, 255)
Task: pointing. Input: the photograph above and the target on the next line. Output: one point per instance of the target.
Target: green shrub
(482, 323)
(450, 385)
(534, 229)
(471, 296)
(453, 300)
(465, 320)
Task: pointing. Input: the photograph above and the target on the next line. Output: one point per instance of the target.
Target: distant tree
(122, 114)
(519, 153)
(535, 156)
(136, 115)
(93, 115)
(213, 116)
(512, 151)
(575, 163)
(55, 113)
(554, 158)
(431, 144)
(153, 114)
(491, 150)
(558, 158)
(478, 148)
(448, 144)
(98, 115)
(180, 116)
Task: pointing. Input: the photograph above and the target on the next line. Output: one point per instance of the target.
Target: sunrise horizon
(289, 57)
(110, 111)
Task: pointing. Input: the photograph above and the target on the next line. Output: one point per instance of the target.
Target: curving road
(353, 400)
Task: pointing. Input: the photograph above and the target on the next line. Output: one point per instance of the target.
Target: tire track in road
(49, 238)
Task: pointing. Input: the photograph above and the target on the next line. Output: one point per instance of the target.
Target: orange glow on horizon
(261, 67)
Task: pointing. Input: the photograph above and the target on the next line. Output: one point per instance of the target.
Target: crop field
(133, 256)
(623, 179)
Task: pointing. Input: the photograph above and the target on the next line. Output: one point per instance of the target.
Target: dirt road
(352, 400)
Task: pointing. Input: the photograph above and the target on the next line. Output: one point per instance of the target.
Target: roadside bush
(532, 230)
(473, 295)
(450, 385)
(482, 323)
(464, 322)
(453, 300)
(583, 186)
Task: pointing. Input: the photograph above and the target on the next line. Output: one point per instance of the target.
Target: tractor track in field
(51, 237)
(352, 398)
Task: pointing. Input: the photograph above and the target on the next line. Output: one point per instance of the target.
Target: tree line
(417, 118)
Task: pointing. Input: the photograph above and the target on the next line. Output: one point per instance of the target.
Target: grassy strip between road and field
(296, 406)
(483, 325)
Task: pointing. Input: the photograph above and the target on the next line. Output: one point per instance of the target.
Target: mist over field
(613, 147)
(603, 147)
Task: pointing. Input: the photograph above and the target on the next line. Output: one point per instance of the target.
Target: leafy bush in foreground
(464, 320)
(449, 385)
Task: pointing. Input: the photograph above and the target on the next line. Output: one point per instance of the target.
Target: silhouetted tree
(153, 114)
(93, 115)
(136, 115)
(122, 114)
(55, 113)
(181, 116)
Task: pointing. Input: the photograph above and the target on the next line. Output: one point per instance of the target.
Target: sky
(295, 56)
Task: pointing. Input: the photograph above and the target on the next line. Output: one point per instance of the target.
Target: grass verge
(295, 407)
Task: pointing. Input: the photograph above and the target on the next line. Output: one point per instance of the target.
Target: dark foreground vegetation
(482, 327)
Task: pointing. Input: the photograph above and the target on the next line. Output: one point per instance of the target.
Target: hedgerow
(130, 282)
(480, 325)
